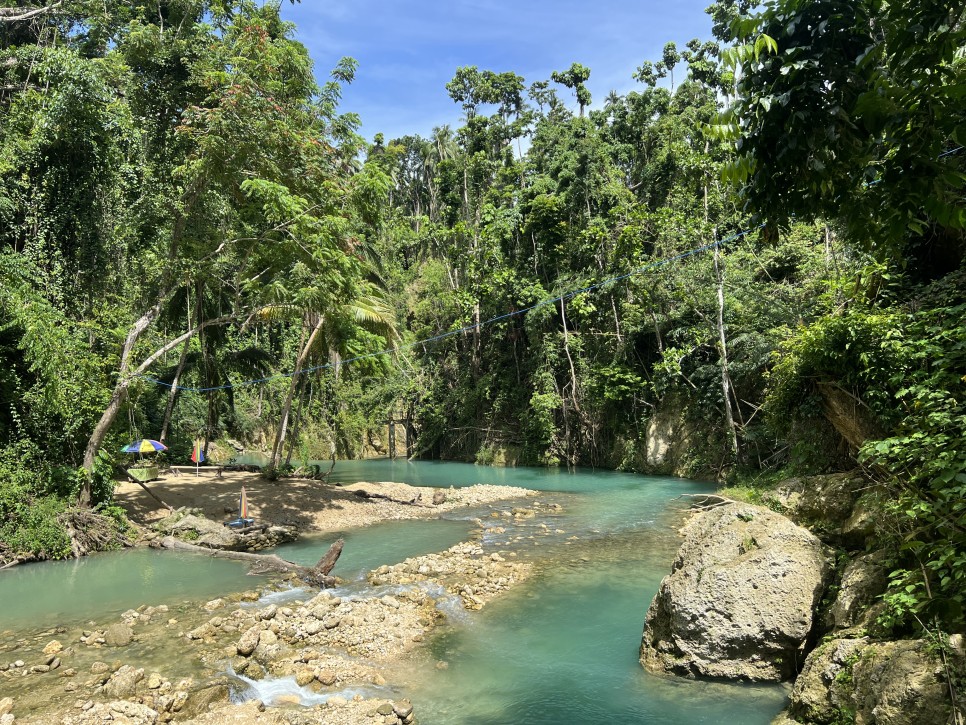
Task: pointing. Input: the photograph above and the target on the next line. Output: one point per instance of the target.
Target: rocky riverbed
(318, 657)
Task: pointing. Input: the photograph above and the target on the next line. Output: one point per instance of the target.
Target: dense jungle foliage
(752, 263)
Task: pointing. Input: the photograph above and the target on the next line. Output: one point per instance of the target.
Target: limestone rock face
(740, 598)
(863, 580)
(886, 683)
(837, 506)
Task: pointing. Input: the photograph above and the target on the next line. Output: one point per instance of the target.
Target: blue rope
(442, 336)
(498, 318)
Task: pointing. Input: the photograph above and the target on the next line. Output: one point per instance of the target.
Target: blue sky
(407, 52)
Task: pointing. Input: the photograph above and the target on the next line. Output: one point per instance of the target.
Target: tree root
(706, 501)
(89, 531)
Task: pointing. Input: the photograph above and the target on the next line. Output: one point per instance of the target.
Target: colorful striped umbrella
(243, 505)
(144, 446)
(197, 456)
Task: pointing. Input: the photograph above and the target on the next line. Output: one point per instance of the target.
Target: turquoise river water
(561, 647)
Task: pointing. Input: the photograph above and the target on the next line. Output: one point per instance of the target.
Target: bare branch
(7, 14)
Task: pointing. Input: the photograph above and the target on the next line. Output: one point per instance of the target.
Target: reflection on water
(372, 546)
(99, 586)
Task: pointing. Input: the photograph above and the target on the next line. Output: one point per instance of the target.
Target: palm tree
(326, 336)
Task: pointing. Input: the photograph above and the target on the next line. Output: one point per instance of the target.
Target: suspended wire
(467, 328)
(499, 318)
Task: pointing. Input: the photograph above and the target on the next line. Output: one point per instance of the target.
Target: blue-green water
(562, 647)
(371, 547)
(96, 587)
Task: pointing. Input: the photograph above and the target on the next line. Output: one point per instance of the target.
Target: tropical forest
(502, 364)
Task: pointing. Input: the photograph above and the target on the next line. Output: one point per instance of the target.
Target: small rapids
(560, 647)
(273, 691)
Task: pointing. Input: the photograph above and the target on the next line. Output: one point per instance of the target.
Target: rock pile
(190, 525)
(464, 570)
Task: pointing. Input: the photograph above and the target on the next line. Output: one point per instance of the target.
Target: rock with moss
(740, 601)
(857, 603)
(823, 691)
(824, 503)
(888, 683)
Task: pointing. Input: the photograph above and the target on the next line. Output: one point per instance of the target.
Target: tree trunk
(278, 446)
(723, 351)
(125, 377)
(570, 360)
(317, 575)
(173, 393)
(296, 422)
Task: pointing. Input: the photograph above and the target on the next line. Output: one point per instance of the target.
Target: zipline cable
(450, 333)
(492, 320)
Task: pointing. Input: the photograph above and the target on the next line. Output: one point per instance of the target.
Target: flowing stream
(561, 647)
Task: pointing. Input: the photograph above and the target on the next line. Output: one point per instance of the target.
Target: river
(562, 647)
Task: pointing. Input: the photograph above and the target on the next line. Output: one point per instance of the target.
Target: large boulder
(740, 599)
(856, 604)
(886, 683)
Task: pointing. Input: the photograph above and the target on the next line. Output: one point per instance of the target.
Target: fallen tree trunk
(153, 495)
(317, 575)
(412, 502)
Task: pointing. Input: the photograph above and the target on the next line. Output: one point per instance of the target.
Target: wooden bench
(178, 470)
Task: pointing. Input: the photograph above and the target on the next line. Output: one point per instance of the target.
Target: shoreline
(338, 654)
(312, 506)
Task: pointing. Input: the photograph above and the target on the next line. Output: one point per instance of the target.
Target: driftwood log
(707, 500)
(317, 575)
(414, 501)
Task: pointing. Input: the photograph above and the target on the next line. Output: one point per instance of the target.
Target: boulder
(822, 692)
(205, 697)
(863, 523)
(863, 580)
(6, 705)
(900, 683)
(123, 683)
(886, 683)
(740, 600)
(118, 635)
(839, 507)
(246, 645)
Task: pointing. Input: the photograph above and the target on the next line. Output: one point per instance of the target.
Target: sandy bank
(312, 506)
